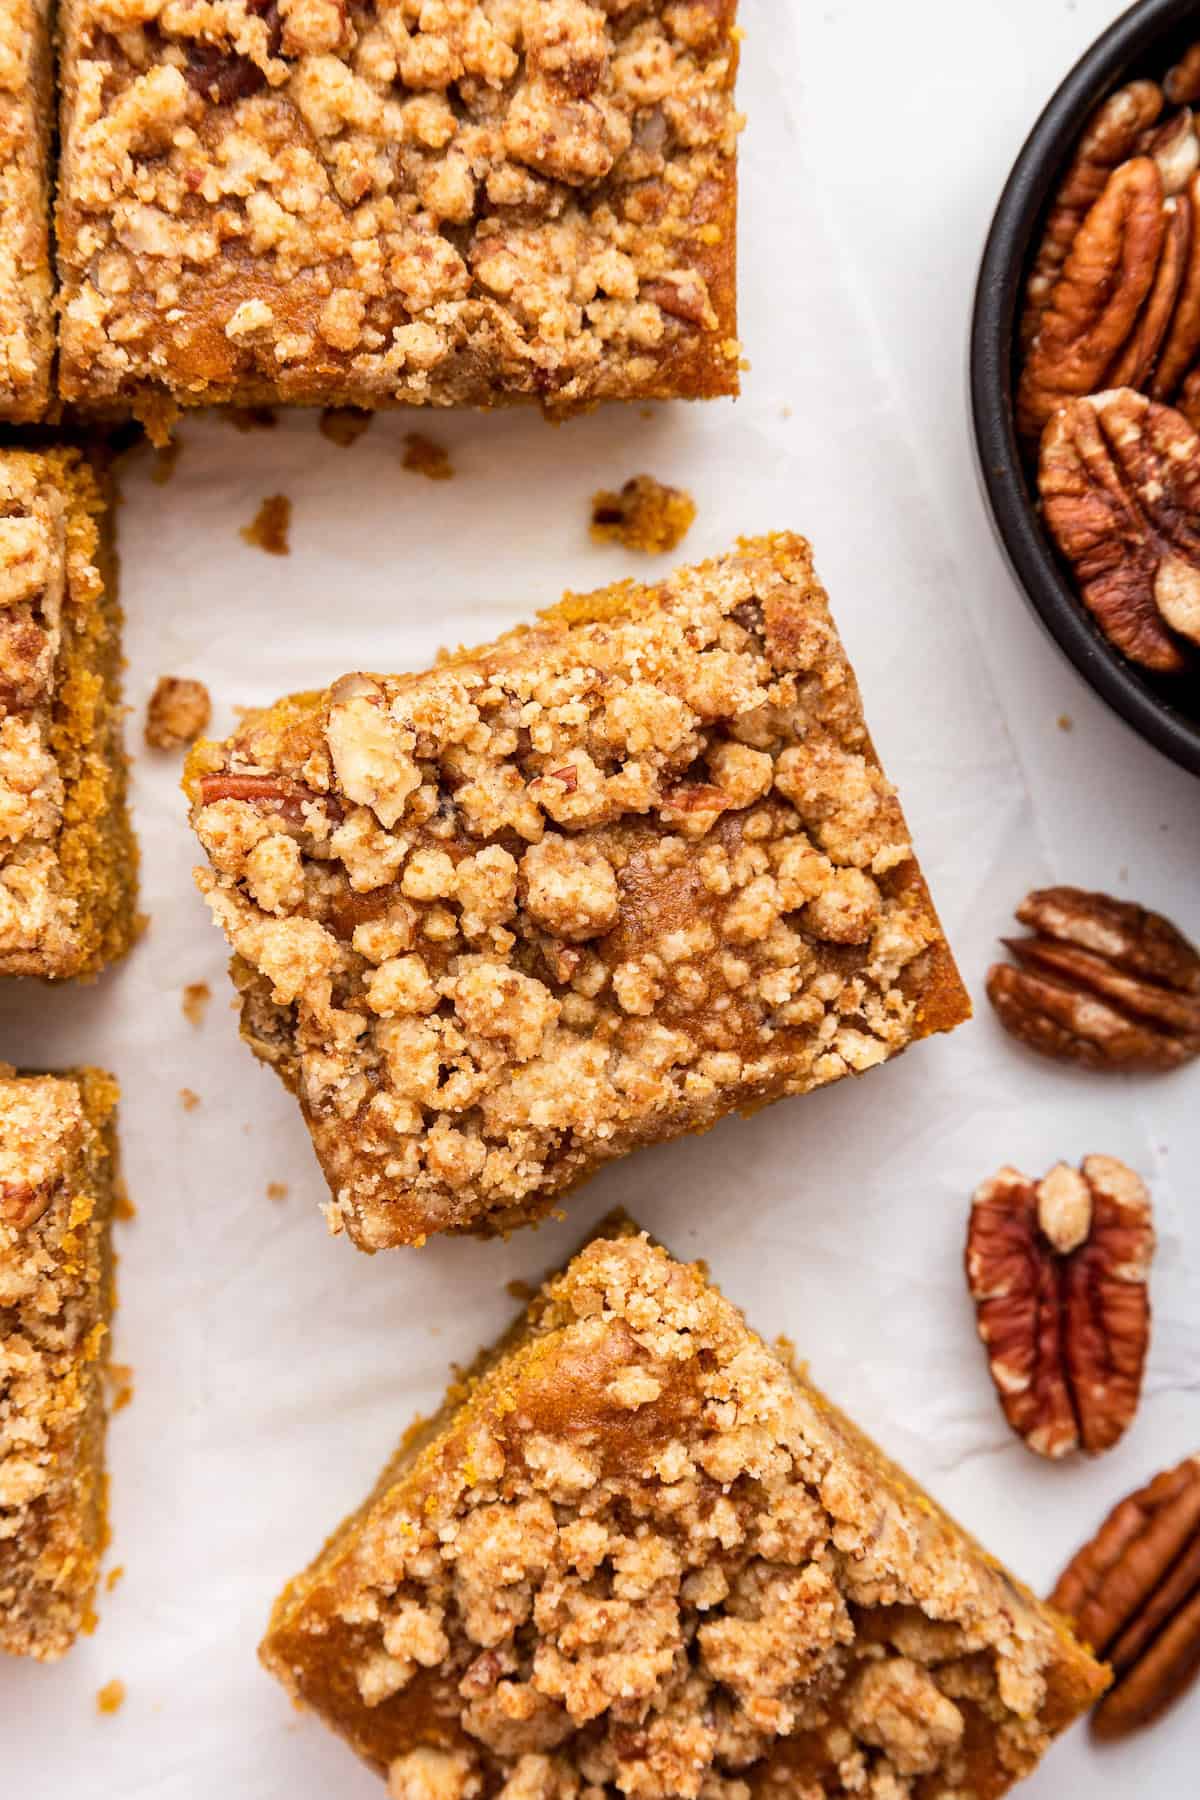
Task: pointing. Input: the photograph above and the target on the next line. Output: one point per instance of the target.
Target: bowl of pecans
(1085, 371)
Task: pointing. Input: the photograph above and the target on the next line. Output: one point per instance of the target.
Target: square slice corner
(352, 204)
(637, 1553)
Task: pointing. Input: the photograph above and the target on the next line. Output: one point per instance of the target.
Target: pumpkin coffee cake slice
(58, 1190)
(598, 884)
(68, 862)
(638, 1554)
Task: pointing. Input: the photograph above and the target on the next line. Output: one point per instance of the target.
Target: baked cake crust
(68, 861)
(592, 887)
(636, 1552)
(26, 286)
(58, 1184)
(427, 201)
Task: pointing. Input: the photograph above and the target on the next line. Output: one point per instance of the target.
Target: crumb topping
(590, 887)
(178, 711)
(429, 200)
(26, 329)
(642, 1558)
(644, 515)
(53, 1311)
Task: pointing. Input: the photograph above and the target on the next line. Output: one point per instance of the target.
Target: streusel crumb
(178, 712)
(645, 515)
(269, 528)
(635, 1554)
(58, 1183)
(441, 202)
(594, 886)
(422, 456)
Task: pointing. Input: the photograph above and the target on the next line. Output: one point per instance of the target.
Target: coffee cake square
(68, 862)
(637, 1553)
(447, 202)
(58, 1188)
(26, 286)
(596, 885)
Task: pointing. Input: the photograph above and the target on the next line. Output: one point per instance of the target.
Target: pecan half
(1119, 477)
(1097, 299)
(1183, 337)
(1175, 148)
(1182, 85)
(1133, 1594)
(1139, 355)
(1101, 982)
(1112, 135)
(1057, 1270)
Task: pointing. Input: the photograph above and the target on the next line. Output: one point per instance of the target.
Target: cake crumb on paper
(343, 425)
(120, 1383)
(645, 515)
(520, 1290)
(111, 1697)
(188, 1100)
(277, 1191)
(114, 1575)
(178, 712)
(422, 456)
(196, 996)
(166, 456)
(268, 530)
(1065, 722)
(123, 1208)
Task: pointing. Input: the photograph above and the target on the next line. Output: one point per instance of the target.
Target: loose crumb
(196, 996)
(188, 1100)
(520, 1290)
(343, 425)
(268, 530)
(424, 457)
(646, 515)
(120, 1380)
(123, 1207)
(277, 1190)
(111, 1697)
(252, 418)
(165, 458)
(178, 712)
(114, 1575)
(1065, 722)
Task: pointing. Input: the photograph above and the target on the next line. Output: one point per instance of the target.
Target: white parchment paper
(275, 1369)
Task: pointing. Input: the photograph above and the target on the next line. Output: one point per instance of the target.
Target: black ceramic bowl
(1144, 41)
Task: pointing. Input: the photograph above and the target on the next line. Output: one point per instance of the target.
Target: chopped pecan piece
(1119, 477)
(1101, 982)
(22, 1205)
(1107, 276)
(223, 75)
(1057, 1270)
(1111, 136)
(273, 793)
(1133, 1594)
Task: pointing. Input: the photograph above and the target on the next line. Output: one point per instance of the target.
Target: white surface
(275, 1369)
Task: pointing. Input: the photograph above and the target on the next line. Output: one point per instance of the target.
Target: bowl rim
(1034, 175)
